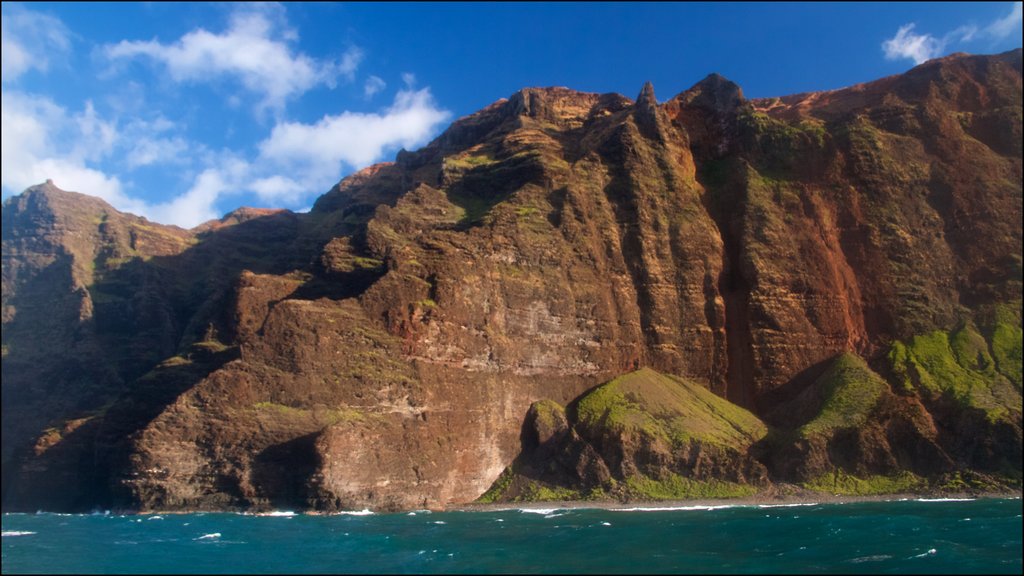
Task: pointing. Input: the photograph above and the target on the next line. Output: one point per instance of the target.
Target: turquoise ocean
(896, 537)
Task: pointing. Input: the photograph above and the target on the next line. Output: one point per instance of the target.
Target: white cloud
(922, 47)
(34, 131)
(97, 149)
(43, 141)
(917, 47)
(351, 138)
(198, 204)
(278, 189)
(1006, 25)
(148, 151)
(144, 143)
(29, 40)
(254, 50)
(373, 85)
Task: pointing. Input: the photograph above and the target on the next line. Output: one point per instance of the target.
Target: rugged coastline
(565, 296)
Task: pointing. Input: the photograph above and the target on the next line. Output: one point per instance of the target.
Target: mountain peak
(646, 96)
(714, 92)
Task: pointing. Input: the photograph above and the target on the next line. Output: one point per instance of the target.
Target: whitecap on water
(787, 505)
(157, 517)
(211, 536)
(543, 511)
(944, 500)
(7, 533)
(672, 508)
(931, 552)
(363, 512)
(876, 558)
(277, 513)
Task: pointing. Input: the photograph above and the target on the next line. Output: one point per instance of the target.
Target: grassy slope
(668, 408)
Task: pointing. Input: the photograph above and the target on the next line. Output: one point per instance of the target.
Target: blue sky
(182, 112)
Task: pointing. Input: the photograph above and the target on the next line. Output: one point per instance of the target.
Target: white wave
(278, 513)
(544, 511)
(411, 514)
(439, 522)
(787, 505)
(210, 536)
(363, 512)
(876, 558)
(672, 508)
(944, 500)
(931, 552)
(7, 533)
(555, 514)
(157, 517)
(606, 523)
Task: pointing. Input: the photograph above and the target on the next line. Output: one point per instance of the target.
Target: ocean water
(912, 536)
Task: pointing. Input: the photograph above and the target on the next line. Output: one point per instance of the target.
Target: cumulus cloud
(199, 203)
(373, 85)
(254, 50)
(29, 40)
(907, 44)
(922, 47)
(354, 139)
(101, 150)
(41, 141)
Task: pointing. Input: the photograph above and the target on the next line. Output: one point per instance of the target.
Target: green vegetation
(499, 487)
(670, 409)
(958, 366)
(212, 346)
(675, 487)
(364, 263)
(427, 303)
(850, 389)
(468, 161)
(537, 492)
(174, 361)
(324, 416)
(1006, 341)
(840, 482)
(549, 414)
(529, 490)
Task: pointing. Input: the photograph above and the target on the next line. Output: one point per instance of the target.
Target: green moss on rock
(845, 484)
(850, 390)
(675, 487)
(958, 366)
(668, 408)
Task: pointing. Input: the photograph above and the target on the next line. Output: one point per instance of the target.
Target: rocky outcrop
(835, 277)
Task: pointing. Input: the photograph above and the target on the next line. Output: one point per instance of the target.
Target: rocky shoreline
(796, 498)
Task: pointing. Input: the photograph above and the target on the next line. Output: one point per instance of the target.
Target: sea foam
(672, 508)
(363, 512)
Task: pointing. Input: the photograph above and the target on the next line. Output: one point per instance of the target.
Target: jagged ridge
(383, 350)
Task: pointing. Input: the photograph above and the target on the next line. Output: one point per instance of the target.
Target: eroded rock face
(384, 350)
